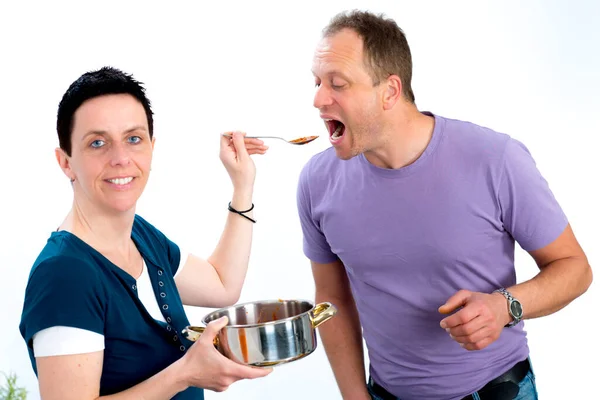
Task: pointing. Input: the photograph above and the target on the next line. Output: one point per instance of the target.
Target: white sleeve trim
(182, 261)
(66, 340)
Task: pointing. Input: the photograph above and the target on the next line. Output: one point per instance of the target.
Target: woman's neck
(106, 232)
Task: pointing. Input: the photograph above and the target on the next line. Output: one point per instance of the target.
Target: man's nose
(322, 97)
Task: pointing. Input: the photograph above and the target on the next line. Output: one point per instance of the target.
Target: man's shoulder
(473, 133)
(472, 143)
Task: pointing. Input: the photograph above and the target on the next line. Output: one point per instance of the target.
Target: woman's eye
(97, 143)
(134, 139)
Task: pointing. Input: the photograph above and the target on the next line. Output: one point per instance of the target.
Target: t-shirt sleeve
(530, 212)
(65, 340)
(315, 245)
(63, 291)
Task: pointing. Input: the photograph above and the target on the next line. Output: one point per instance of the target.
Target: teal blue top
(71, 284)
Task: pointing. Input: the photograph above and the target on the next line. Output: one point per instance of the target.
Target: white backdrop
(530, 70)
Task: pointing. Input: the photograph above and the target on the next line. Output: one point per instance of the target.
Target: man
(410, 221)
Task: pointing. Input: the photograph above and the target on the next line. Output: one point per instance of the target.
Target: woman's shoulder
(65, 288)
(155, 245)
(146, 234)
(142, 226)
(64, 253)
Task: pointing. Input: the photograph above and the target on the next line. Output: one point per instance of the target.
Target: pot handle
(193, 333)
(321, 313)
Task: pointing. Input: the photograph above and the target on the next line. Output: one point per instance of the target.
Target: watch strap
(509, 297)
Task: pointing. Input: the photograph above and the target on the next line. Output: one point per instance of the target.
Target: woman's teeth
(121, 181)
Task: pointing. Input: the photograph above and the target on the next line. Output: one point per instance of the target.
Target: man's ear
(64, 162)
(392, 93)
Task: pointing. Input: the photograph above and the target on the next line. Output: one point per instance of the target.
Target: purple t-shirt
(412, 237)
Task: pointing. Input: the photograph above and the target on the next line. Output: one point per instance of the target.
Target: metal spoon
(300, 140)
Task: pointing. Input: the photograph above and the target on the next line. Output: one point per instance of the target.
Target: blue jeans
(527, 389)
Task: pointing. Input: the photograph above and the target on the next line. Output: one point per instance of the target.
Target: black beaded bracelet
(233, 210)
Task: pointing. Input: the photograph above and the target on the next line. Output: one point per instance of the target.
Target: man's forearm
(557, 284)
(342, 339)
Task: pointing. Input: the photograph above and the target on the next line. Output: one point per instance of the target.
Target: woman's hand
(205, 367)
(235, 154)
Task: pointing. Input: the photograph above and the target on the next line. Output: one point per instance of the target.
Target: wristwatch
(515, 309)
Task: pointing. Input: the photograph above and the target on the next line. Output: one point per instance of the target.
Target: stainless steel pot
(267, 333)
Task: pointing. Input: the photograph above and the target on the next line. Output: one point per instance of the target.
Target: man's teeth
(121, 181)
(336, 133)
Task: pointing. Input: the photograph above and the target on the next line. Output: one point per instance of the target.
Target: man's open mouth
(336, 128)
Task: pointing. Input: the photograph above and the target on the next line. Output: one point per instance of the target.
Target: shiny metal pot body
(267, 333)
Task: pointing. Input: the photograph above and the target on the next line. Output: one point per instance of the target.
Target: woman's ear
(64, 162)
(392, 92)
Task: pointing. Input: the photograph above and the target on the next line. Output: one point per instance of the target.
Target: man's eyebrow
(333, 73)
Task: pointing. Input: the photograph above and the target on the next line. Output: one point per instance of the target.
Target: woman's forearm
(231, 255)
(162, 386)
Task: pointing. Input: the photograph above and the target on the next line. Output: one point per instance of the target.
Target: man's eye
(97, 143)
(134, 139)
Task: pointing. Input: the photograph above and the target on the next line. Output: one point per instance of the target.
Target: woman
(103, 306)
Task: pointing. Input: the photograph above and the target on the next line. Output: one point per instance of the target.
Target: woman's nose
(119, 155)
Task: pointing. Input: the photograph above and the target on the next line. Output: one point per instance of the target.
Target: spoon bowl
(298, 141)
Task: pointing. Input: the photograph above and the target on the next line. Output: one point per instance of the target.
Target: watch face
(516, 309)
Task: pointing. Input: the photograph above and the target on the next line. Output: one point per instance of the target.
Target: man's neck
(403, 140)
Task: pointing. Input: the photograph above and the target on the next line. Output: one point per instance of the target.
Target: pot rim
(254, 325)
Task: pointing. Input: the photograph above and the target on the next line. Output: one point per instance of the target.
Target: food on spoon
(304, 139)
